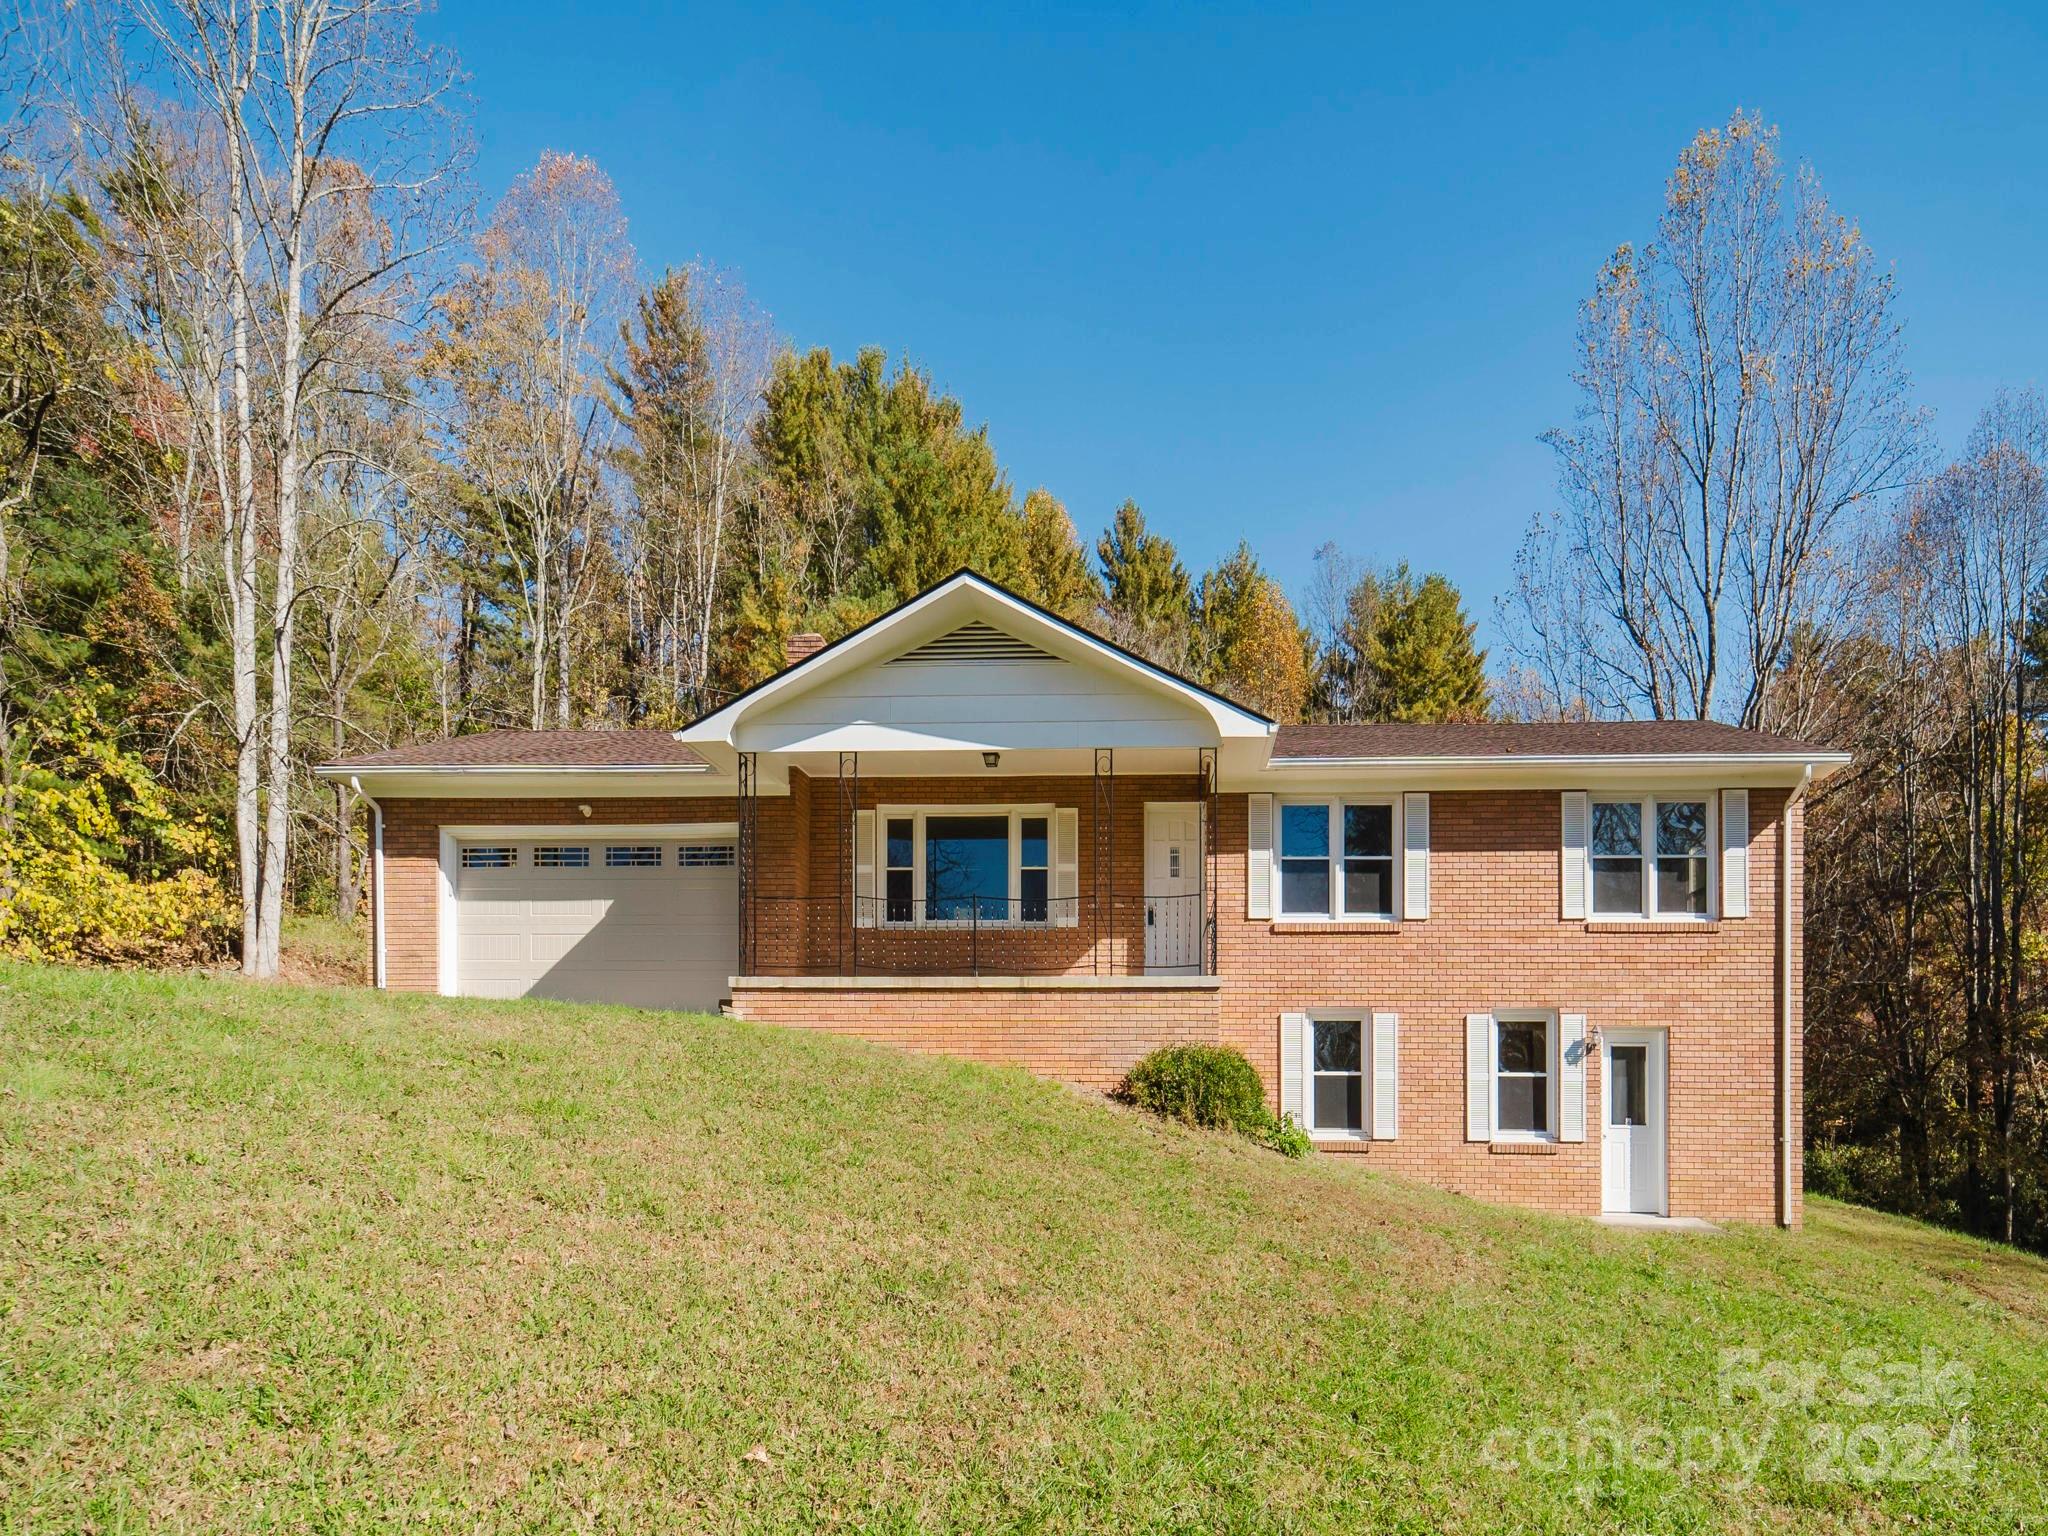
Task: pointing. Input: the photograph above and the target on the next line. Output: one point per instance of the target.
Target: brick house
(1555, 965)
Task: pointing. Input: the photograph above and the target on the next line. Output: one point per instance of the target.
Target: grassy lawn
(305, 1259)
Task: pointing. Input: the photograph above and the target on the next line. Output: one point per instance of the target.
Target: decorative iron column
(1103, 885)
(1207, 900)
(749, 808)
(849, 887)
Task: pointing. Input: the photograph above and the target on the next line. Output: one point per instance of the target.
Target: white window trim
(1362, 1017)
(919, 814)
(1552, 1071)
(1334, 805)
(1647, 802)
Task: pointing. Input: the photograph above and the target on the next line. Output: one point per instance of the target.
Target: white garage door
(652, 922)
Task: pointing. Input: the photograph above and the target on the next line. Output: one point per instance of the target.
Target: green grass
(302, 1259)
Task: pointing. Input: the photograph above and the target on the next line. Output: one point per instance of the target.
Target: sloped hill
(288, 1259)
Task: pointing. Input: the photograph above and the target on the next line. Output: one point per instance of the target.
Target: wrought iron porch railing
(979, 935)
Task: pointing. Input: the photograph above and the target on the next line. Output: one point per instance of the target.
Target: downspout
(376, 880)
(1787, 1151)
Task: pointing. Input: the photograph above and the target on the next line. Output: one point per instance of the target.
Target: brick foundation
(1089, 1036)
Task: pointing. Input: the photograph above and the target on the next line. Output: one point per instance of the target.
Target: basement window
(1522, 1078)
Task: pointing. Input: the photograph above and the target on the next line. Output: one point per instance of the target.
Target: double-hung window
(1649, 856)
(968, 865)
(1337, 858)
(1522, 1075)
(1336, 1061)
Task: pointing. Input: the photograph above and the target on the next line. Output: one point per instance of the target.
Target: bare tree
(1743, 403)
(324, 150)
(1986, 532)
(521, 352)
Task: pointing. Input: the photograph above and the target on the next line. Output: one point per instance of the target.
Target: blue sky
(1283, 274)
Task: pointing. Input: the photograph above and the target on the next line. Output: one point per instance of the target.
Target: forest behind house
(306, 451)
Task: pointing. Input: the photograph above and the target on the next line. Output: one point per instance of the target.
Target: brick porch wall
(1088, 1036)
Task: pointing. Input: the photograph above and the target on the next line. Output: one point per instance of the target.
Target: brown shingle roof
(658, 749)
(1568, 738)
(536, 749)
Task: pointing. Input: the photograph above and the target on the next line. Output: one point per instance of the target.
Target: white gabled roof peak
(964, 620)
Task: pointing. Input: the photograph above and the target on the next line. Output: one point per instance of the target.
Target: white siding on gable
(976, 705)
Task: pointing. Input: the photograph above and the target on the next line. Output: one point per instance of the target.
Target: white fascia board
(956, 602)
(1721, 769)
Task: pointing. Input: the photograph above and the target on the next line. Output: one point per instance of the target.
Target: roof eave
(345, 771)
(1817, 765)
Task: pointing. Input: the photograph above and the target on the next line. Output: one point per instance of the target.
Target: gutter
(376, 878)
(350, 771)
(1806, 761)
(1787, 1152)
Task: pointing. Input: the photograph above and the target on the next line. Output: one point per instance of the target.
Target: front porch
(880, 872)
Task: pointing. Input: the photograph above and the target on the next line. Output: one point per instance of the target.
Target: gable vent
(969, 643)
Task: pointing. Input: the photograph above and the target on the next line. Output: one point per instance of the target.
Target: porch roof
(968, 668)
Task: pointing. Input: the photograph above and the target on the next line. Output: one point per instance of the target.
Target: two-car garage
(612, 916)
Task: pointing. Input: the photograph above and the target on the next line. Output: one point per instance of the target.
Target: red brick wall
(1090, 1036)
(1493, 941)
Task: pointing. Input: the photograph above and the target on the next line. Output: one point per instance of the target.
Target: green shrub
(1286, 1136)
(97, 862)
(1215, 1087)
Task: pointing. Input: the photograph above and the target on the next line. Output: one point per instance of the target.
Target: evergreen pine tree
(1149, 601)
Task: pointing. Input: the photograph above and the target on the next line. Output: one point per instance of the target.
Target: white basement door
(650, 922)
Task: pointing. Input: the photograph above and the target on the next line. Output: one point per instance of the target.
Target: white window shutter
(1415, 856)
(1572, 864)
(1571, 1077)
(1479, 1077)
(864, 902)
(1066, 874)
(1735, 853)
(1293, 1068)
(1258, 859)
(1386, 1079)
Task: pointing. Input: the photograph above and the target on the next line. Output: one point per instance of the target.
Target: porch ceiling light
(990, 759)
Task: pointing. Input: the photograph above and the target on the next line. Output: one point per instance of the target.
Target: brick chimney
(800, 647)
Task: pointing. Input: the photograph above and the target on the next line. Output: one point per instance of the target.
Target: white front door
(1173, 888)
(1632, 1138)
